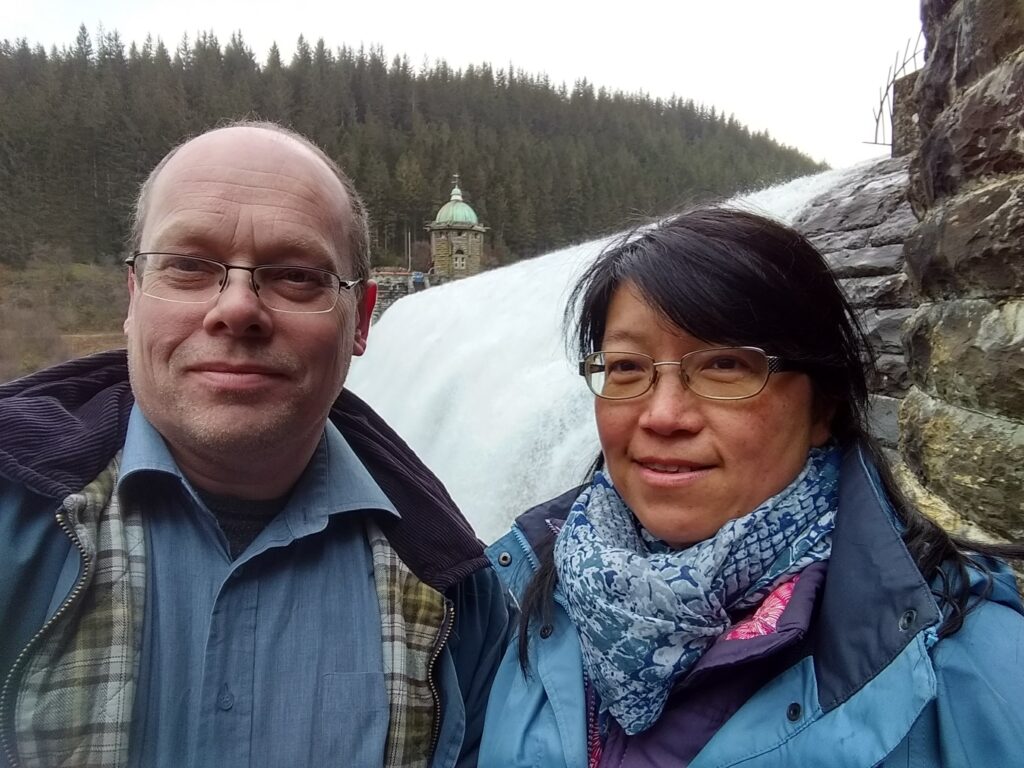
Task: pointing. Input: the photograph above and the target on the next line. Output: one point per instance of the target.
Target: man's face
(231, 377)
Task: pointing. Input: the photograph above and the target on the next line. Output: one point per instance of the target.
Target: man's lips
(237, 370)
(240, 369)
(237, 376)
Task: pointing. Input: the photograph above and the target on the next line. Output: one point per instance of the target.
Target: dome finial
(456, 192)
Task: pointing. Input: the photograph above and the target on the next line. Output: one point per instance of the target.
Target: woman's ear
(823, 411)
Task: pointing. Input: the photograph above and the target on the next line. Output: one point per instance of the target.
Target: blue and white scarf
(646, 613)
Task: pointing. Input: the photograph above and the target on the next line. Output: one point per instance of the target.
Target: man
(214, 555)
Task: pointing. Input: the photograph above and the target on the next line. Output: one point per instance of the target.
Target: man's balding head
(356, 236)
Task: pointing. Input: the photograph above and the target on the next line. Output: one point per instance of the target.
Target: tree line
(543, 165)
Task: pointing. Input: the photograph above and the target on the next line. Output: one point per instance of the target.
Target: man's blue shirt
(271, 659)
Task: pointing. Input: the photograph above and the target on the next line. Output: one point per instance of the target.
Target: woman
(739, 581)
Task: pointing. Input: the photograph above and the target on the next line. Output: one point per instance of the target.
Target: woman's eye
(725, 363)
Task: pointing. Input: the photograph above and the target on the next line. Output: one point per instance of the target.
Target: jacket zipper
(447, 622)
(6, 693)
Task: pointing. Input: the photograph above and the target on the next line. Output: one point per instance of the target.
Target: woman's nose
(671, 406)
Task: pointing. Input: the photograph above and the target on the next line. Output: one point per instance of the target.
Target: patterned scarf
(646, 613)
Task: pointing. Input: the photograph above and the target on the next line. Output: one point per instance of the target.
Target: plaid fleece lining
(411, 613)
(77, 690)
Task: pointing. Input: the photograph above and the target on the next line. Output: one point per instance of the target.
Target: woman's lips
(671, 473)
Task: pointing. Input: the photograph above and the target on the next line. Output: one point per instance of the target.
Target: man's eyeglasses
(723, 373)
(194, 280)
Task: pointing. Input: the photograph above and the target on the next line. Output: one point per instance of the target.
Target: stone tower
(456, 239)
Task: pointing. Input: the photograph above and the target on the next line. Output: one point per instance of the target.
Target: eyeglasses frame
(776, 364)
(347, 285)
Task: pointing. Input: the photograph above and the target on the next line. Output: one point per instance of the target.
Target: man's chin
(232, 429)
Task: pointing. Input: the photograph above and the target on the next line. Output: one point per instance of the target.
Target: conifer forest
(543, 164)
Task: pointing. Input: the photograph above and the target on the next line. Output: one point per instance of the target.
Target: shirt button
(793, 712)
(226, 699)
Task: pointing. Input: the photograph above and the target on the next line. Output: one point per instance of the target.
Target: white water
(476, 377)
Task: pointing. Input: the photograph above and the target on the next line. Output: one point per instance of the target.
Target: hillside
(543, 164)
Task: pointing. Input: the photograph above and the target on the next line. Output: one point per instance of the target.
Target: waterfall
(476, 374)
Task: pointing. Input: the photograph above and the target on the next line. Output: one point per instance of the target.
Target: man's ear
(131, 299)
(365, 310)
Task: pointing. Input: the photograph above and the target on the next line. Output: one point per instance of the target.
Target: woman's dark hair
(735, 278)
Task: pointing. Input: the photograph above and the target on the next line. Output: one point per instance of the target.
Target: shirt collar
(334, 481)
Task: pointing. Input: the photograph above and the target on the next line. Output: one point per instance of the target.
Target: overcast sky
(808, 71)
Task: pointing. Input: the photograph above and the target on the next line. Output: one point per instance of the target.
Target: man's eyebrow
(311, 252)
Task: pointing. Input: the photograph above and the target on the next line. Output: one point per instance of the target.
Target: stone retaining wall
(962, 421)
(860, 227)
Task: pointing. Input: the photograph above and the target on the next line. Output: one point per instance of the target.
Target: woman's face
(686, 465)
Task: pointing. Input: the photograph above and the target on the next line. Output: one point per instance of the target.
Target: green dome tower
(456, 239)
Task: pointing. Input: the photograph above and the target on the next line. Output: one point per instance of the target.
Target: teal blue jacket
(875, 688)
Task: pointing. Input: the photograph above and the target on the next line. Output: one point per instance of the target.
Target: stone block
(971, 245)
(970, 353)
(973, 461)
(882, 292)
(883, 419)
(979, 136)
(890, 375)
(884, 328)
(991, 30)
(896, 228)
(826, 242)
(864, 201)
(864, 262)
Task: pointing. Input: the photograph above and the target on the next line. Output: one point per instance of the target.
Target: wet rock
(977, 138)
(973, 461)
(883, 419)
(884, 328)
(882, 292)
(991, 30)
(867, 261)
(970, 353)
(971, 246)
(864, 202)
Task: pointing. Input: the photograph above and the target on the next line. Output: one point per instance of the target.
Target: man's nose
(237, 308)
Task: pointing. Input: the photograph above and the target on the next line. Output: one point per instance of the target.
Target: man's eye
(294, 276)
(182, 264)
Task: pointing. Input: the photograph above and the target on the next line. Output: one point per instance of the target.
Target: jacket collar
(63, 424)
(876, 601)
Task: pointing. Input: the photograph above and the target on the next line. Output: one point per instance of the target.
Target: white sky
(808, 71)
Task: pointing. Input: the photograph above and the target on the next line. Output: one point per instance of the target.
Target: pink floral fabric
(766, 618)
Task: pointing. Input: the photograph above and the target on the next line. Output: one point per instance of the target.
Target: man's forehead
(243, 162)
(247, 148)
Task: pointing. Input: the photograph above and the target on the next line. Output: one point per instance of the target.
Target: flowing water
(477, 378)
